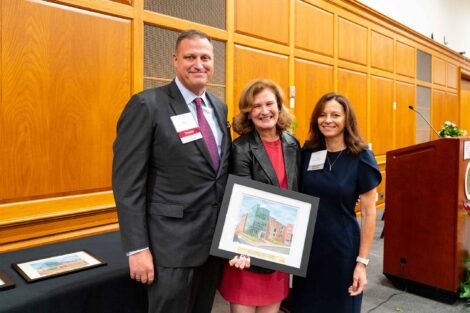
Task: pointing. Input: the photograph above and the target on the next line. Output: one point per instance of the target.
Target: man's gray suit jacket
(167, 193)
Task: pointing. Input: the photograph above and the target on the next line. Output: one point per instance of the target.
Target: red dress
(256, 289)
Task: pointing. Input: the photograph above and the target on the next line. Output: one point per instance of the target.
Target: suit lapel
(177, 103)
(179, 106)
(261, 155)
(289, 151)
(217, 106)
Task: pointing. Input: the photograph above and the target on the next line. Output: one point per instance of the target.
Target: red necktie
(207, 134)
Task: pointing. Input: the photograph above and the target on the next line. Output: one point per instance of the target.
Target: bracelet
(362, 260)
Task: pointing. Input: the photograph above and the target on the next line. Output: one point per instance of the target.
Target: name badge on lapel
(186, 127)
(317, 161)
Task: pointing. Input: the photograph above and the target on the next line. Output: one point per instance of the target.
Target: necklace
(331, 164)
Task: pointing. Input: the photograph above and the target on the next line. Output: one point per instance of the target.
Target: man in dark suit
(170, 168)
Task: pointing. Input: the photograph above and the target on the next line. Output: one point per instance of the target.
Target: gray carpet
(379, 289)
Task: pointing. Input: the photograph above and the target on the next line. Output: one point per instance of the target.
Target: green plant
(465, 285)
(449, 129)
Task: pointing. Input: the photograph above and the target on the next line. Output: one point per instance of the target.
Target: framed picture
(273, 226)
(57, 265)
(5, 282)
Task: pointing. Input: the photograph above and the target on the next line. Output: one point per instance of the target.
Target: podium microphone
(413, 109)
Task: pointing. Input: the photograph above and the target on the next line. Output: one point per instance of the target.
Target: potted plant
(449, 130)
(465, 285)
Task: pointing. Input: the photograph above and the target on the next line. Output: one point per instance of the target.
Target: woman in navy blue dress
(338, 168)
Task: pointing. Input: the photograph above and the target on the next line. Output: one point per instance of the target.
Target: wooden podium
(427, 229)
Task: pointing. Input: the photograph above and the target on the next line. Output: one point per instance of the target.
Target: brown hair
(352, 138)
(191, 34)
(242, 124)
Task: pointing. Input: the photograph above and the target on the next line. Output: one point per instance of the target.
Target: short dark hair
(352, 138)
(190, 34)
(242, 124)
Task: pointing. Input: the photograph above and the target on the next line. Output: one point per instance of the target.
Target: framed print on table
(5, 282)
(58, 265)
(273, 226)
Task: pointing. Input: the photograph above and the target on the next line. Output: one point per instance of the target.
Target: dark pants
(185, 290)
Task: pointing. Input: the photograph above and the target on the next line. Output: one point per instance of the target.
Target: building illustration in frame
(59, 265)
(266, 224)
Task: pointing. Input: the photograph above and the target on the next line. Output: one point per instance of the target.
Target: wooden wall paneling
(381, 114)
(253, 63)
(249, 41)
(63, 88)
(314, 29)
(438, 71)
(171, 22)
(291, 56)
(381, 73)
(368, 17)
(306, 55)
(352, 41)
(123, 1)
(405, 95)
(267, 19)
(312, 81)
(464, 121)
(230, 60)
(23, 231)
(381, 51)
(58, 237)
(57, 126)
(452, 76)
(137, 48)
(372, 17)
(23, 224)
(438, 110)
(354, 66)
(381, 187)
(405, 79)
(353, 85)
(452, 107)
(405, 59)
(119, 8)
(445, 107)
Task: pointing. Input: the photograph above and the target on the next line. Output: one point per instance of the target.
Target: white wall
(449, 18)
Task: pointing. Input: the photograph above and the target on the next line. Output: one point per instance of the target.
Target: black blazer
(167, 193)
(250, 159)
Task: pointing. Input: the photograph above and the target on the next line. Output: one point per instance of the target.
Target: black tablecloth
(103, 289)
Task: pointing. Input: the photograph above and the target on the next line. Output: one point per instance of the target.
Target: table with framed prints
(104, 287)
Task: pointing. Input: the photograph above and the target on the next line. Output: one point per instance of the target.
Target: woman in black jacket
(267, 153)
